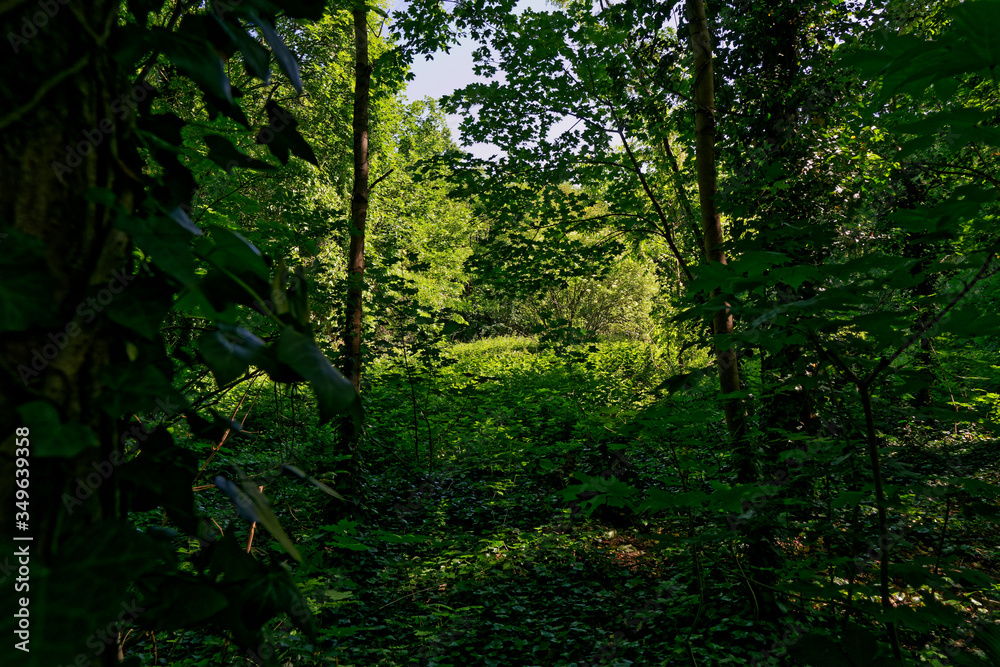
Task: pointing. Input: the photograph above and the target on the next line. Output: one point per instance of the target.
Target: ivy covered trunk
(65, 171)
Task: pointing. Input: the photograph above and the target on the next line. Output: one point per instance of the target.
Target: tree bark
(61, 135)
(711, 224)
(359, 203)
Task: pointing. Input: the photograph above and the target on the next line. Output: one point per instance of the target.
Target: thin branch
(379, 180)
(966, 171)
(668, 236)
(155, 55)
(42, 90)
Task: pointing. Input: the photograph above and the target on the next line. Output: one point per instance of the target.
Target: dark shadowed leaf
(25, 282)
(229, 351)
(286, 61)
(50, 437)
(197, 59)
(281, 136)
(227, 156)
(334, 392)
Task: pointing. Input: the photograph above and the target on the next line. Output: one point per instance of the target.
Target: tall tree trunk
(354, 315)
(760, 555)
(711, 224)
(359, 202)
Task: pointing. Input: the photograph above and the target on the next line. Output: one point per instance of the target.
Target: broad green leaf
(286, 61)
(281, 136)
(175, 610)
(847, 499)
(25, 282)
(181, 217)
(256, 59)
(164, 242)
(304, 9)
(229, 351)
(49, 437)
(229, 250)
(88, 578)
(334, 393)
(137, 387)
(253, 506)
(142, 306)
(227, 156)
(197, 59)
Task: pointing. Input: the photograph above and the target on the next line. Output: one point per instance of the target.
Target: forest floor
(474, 540)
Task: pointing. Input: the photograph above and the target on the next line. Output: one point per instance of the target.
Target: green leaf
(253, 506)
(334, 393)
(975, 24)
(160, 477)
(256, 59)
(229, 351)
(174, 609)
(25, 282)
(142, 306)
(274, 594)
(281, 136)
(181, 217)
(88, 579)
(227, 156)
(52, 438)
(137, 387)
(860, 646)
(286, 61)
(847, 499)
(295, 471)
(141, 9)
(987, 639)
(197, 59)
(229, 250)
(304, 9)
(165, 243)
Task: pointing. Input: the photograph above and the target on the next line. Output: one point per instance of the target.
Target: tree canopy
(699, 369)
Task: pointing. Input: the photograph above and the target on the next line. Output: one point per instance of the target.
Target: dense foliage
(289, 378)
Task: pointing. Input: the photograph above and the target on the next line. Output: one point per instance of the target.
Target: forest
(695, 363)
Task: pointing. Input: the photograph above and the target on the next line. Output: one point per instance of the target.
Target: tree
(711, 225)
(98, 240)
(359, 201)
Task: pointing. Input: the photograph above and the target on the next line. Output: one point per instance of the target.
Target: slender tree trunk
(760, 555)
(711, 225)
(359, 202)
